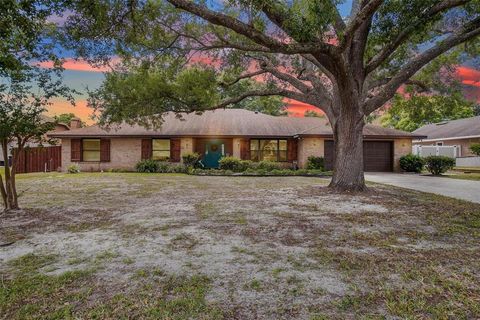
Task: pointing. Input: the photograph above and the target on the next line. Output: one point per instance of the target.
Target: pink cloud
(77, 65)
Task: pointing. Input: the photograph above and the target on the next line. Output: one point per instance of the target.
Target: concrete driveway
(455, 188)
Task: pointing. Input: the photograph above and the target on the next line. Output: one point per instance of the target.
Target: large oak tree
(300, 49)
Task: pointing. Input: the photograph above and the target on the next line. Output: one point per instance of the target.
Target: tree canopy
(410, 113)
(303, 50)
(26, 40)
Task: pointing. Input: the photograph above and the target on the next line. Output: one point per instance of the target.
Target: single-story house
(225, 132)
(460, 133)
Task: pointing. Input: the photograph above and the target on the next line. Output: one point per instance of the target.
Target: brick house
(225, 132)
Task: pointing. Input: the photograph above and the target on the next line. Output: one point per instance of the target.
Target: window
(269, 150)
(161, 149)
(439, 144)
(91, 149)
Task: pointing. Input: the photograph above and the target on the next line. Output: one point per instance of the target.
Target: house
(224, 132)
(460, 133)
(75, 123)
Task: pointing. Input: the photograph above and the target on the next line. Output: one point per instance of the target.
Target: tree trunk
(9, 190)
(348, 156)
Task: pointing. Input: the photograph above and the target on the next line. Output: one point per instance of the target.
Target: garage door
(377, 155)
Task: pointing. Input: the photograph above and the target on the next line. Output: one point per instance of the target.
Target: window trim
(277, 151)
(99, 150)
(169, 148)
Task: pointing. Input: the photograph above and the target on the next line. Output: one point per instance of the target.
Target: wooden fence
(39, 159)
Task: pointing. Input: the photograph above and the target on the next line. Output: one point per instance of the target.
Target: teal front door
(213, 153)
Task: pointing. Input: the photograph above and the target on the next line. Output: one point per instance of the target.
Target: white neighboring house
(75, 123)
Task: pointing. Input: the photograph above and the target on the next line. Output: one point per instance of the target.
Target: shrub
(315, 163)
(73, 168)
(191, 159)
(475, 148)
(268, 166)
(231, 163)
(148, 165)
(412, 163)
(439, 164)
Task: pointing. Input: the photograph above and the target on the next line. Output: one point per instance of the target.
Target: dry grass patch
(177, 246)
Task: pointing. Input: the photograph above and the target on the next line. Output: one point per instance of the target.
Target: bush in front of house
(412, 163)
(268, 166)
(315, 163)
(236, 165)
(475, 148)
(147, 166)
(73, 168)
(191, 159)
(439, 164)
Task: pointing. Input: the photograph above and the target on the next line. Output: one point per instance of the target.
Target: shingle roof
(227, 122)
(450, 129)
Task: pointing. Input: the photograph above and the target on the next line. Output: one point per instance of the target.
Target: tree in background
(25, 88)
(65, 118)
(302, 50)
(410, 113)
(313, 114)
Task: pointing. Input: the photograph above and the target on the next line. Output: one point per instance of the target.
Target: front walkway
(455, 188)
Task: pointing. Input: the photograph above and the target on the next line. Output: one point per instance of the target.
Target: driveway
(455, 188)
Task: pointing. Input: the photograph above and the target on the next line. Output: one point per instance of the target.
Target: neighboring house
(59, 127)
(225, 132)
(461, 133)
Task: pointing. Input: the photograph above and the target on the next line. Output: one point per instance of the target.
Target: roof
(46, 119)
(467, 127)
(227, 122)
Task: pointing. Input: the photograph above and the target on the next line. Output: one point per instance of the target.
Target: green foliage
(73, 168)
(409, 114)
(312, 114)
(154, 166)
(315, 163)
(147, 166)
(475, 148)
(268, 165)
(412, 163)
(437, 165)
(191, 159)
(65, 118)
(233, 164)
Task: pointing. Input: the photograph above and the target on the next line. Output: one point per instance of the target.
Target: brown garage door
(377, 155)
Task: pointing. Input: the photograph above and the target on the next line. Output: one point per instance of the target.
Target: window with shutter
(175, 146)
(76, 150)
(105, 150)
(146, 149)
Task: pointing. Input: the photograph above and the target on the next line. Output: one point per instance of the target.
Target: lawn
(465, 176)
(160, 246)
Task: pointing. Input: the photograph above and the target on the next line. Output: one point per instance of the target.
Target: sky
(79, 75)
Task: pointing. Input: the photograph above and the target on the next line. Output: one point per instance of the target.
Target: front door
(214, 150)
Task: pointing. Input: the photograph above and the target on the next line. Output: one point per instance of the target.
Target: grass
(465, 176)
(146, 246)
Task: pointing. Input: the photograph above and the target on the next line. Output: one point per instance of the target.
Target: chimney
(75, 123)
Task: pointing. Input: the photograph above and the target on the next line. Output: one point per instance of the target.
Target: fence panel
(39, 159)
(425, 151)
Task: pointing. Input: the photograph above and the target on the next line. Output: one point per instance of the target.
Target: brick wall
(309, 147)
(401, 147)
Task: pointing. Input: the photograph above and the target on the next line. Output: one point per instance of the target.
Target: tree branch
(249, 31)
(364, 14)
(244, 76)
(469, 31)
(379, 58)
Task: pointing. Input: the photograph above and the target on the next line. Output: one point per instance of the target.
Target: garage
(377, 155)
